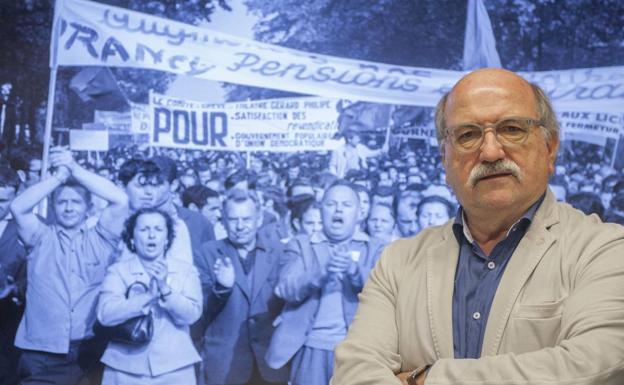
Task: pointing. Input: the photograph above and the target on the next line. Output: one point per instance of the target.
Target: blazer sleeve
(214, 296)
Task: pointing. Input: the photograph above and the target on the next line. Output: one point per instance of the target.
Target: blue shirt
(476, 281)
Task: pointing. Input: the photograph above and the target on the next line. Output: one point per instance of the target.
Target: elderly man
(65, 267)
(238, 276)
(320, 283)
(518, 289)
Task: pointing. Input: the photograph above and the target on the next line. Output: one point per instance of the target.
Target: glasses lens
(513, 130)
(467, 136)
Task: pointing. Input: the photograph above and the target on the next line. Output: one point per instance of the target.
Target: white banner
(88, 33)
(590, 125)
(297, 124)
(141, 118)
(88, 140)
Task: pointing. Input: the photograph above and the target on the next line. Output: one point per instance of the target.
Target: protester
(12, 278)
(406, 206)
(320, 282)
(434, 210)
(306, 215)
(66, 265)
(518, 289)
(238, 275)
(208, 202)
(172, 295)
(381, 222)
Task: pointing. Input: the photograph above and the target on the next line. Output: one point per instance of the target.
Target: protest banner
(141, 118)
(88, 140)
(289, 124)
(590, 126)
(114, 120)
(89, 33)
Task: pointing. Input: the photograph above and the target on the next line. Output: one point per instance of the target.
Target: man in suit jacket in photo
(238, 276)
(12, 278)
(320, 281)
(518, 289)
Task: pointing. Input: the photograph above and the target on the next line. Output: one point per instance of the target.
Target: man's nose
(491, 149)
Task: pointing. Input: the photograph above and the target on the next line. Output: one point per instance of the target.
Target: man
(12, 278)
(206, 201)
(406, 205)
(238, 277)
(149, 183)
(8, 115)
(352, 154)
(518, 289)
(66, 264)
(320, 283)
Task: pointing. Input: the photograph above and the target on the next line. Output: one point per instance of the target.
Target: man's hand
(420, 380)
(224, 270)
(62, 156)
(340, 260)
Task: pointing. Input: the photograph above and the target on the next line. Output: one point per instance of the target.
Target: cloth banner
(592, 126)
(289, 124)
(88, 140)
(92, 34)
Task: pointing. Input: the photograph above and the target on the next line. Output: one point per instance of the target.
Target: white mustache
(502, 166)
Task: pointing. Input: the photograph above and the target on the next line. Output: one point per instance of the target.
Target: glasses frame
(491, 127)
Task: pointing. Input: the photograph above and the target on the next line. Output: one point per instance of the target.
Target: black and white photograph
(279, 192)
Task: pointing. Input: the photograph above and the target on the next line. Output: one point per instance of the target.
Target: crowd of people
(249, 269)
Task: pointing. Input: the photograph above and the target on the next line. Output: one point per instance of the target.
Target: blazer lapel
(528, 254)
(441, 261)
(228, 250)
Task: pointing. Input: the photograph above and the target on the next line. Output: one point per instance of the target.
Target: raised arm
(113, 214)
(28, 224)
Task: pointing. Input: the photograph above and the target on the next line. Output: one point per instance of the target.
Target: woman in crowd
(306, 215)
(173, 296)
(381, 222)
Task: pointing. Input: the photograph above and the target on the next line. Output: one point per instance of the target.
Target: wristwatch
(411, 379)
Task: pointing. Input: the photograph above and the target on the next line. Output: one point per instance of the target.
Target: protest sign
(89, 33)
(114, 120)
(141, 118)
(88, 140)
(590, 126)
(289, 124)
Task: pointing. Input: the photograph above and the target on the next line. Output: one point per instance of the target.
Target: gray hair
(550, 126)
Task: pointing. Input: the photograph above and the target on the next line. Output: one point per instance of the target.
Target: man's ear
(296, 224)
(553, 147)
(193, 206)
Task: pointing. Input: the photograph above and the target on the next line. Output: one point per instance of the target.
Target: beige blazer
(557, 316)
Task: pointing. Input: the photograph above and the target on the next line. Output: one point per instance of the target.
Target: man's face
(380, 223)
(204, 176)
(6, 197)
(407, 220)
(70, 208)
(242, 220)
(489, 96)
(432, 214)
(212, 210)
(293, 172)
(340, 212)
(144, 192)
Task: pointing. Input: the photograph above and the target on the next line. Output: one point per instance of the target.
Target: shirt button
(491, 265)
(476, 315)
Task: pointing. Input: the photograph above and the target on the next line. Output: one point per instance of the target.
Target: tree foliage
(25, 27)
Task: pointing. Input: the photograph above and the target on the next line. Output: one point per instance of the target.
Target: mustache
(503, 166)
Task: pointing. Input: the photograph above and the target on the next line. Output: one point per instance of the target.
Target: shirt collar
(459, 228)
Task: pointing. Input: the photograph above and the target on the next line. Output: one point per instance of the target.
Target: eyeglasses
(510, 132)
